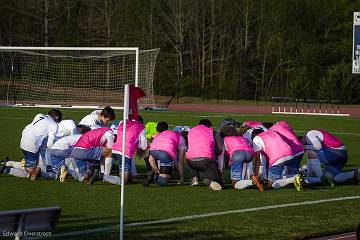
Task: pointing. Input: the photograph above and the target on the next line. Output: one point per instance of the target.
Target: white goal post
(87, 77)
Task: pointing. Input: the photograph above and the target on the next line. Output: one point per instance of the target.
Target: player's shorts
(31, 159)
(163, 157)
(292, 165)
(83, 166)
(333, 159)
(237, 160)
(293, 168)
(87, 153)
(118, 157)
(58, 157)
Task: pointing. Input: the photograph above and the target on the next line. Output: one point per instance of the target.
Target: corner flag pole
(125, 116)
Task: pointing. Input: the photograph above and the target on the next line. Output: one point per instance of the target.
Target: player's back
(91, 120)
(66, 142)
(66, 127)
(35, 132)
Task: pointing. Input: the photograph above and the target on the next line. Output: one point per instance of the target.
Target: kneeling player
(201, 154)
(92, 145)
(241, 154)
(287, 133)
(324, 148)
(61, 150)
(278, 154)
(163, 151)
(36, 137)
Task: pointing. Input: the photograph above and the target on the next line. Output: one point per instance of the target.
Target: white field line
(342, 237)
(178, 219)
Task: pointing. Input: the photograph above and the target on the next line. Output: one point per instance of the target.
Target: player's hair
(206, 122)
(256, 132)
(302, 139)
(228, 131)
(55, 114)
(185, 134)
(243, 129)
(108, 112)
(268, 124)
(141, 120)
(81, 129)
(162, 126)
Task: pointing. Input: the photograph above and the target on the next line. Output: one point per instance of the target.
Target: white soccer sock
(344, 176)
(262, 169)
(69, 163)
(108, 166)
(47, 157)
(76, 175)
(309, 171)
(102, 165)
(241, 184)
(249, 171)
(18, 173)
(42, 165)
(312, 180)
(315, 166)
(282, 182)
(133, 168)
(14, 164)
(112, 179)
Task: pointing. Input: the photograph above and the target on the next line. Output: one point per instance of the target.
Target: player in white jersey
(66, 127)
(98, 118)
(36, 137)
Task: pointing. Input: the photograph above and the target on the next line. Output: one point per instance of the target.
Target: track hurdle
(287, 105)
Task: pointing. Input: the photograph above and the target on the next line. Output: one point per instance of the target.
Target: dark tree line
(230, 49)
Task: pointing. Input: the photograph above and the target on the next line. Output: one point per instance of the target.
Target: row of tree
(229, 49)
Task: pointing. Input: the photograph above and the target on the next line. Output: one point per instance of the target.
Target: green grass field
(91, 207)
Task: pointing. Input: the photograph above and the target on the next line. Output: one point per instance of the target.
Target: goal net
(84, 77)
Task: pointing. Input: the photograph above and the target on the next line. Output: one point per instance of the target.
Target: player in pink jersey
(89, 149)
(203, 148)
(166, 148)
(240, 154)
(278, 154)
(323, 148)
(135, 140)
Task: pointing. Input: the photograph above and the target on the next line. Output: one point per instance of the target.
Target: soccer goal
(74, 76)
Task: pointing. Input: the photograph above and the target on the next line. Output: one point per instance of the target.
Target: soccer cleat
(34, 173)
(3, 164)
(212, 184)
(194, 181)
(215, 186)
(357, 175)
(149, 178)
(23, 163)
(257, 183)
(97, 176)
(63, 173)
(326, 181)
(298, 182)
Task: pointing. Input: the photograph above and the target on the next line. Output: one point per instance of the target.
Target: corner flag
(134, 94)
